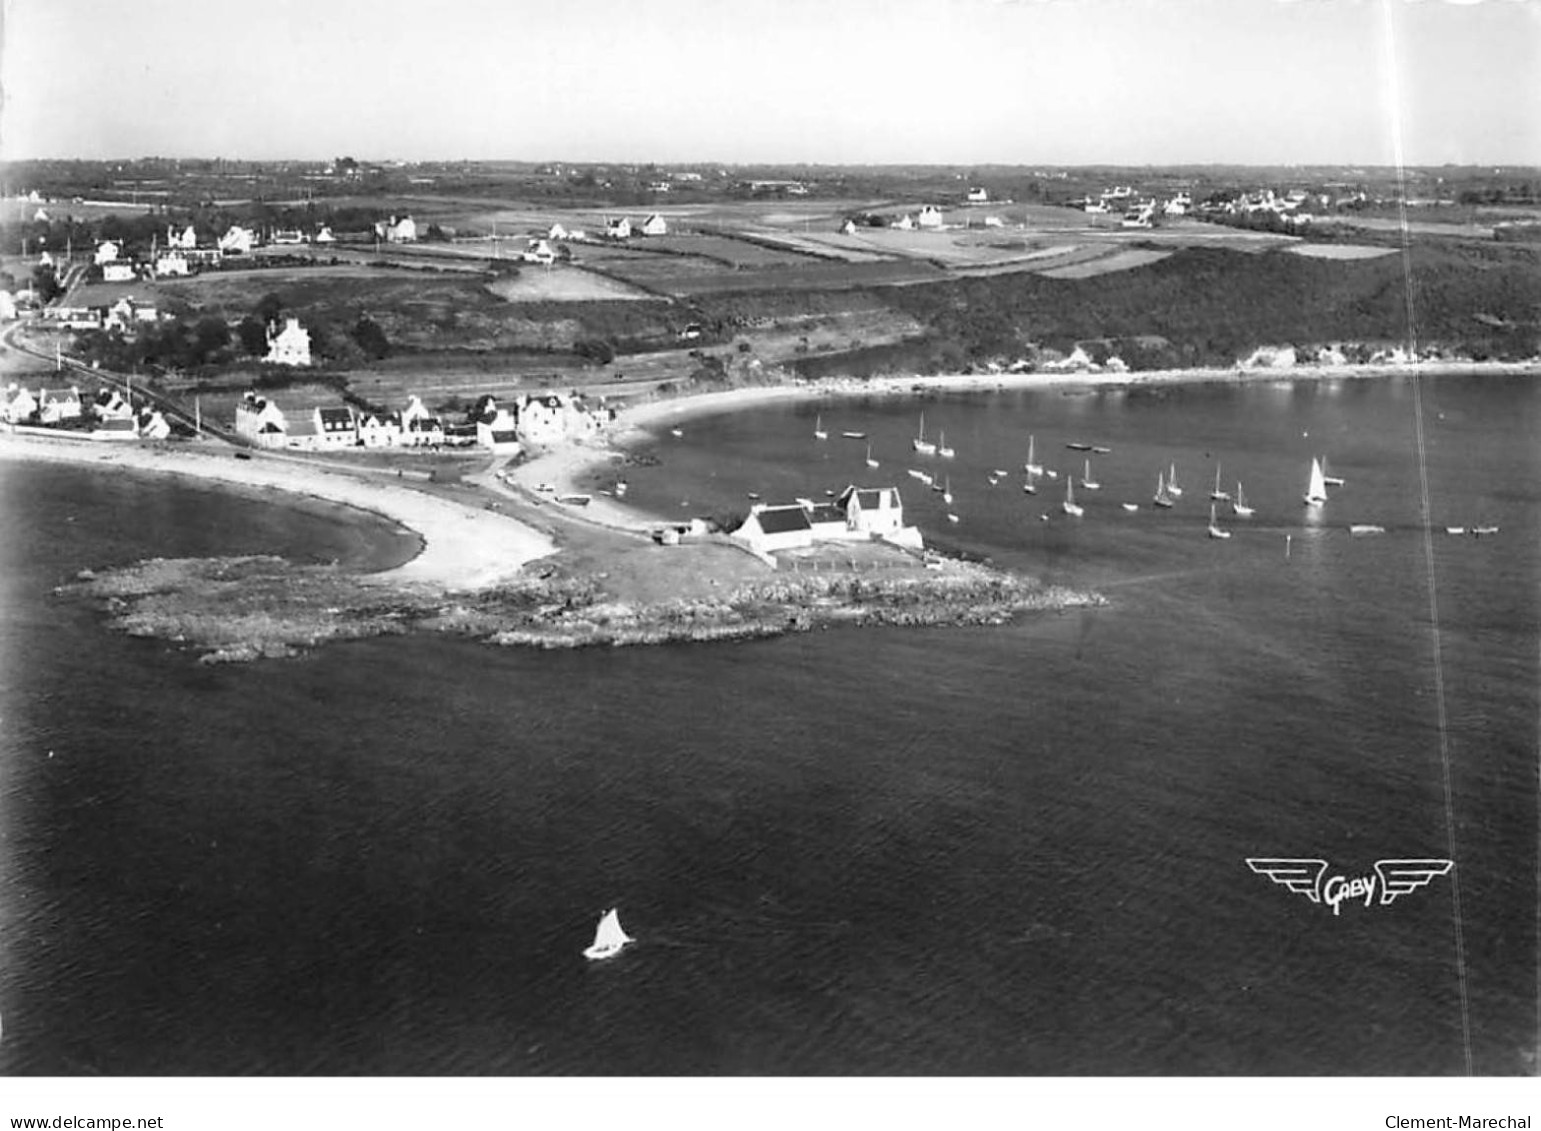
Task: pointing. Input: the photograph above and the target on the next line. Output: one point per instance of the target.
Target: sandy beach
(563, 468)
(464, 547)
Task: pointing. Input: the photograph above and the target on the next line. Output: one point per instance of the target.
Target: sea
(985, 851)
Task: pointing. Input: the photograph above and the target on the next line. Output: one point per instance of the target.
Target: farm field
(729, 252)
(1340, 250)
(1123, 260)
(562, 283)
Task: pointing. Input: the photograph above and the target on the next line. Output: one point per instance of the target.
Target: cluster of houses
(621, 227)
(858, 514)
(531, 420)
(110, 416)
(929, 218)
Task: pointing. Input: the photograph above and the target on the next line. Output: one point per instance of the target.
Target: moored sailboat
(1328, 478)
(1239, 506)
(922, 445)
(1172, 488)
(1070, 506)
(1218, 495)
(870, 461)
(818, 429)
(941, 446)
(1086, 478)
(1214, 528)
(1316, 489)
(1032, 467)
(1162, 498)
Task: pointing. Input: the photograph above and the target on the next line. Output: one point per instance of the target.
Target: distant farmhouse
(289, 346)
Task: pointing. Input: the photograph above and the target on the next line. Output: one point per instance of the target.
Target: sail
(1316, 492)
(609, 937)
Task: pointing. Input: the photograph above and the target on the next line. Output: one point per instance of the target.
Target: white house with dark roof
(498, 430)
(261, 421)
(153, 426)
(172, 263)
(110, 404)
(187, 239)
(238, 241)
(117, 271)
(618, 228)
(16, 404)
(106, 252)
(772, 527)
(655, 225)
(419, 427)
(929, 216)
(289, 346)
(393, 230)
(904, 223)
(380, 430)
(54, 405)
(827, 521)
(877, 512)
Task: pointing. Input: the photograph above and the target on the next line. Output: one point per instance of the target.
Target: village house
(872, 511)
(323, 428)
(7, 306)
(55, 405)
(655, 225)
(117, 271)
(325, 235)
(930, 216)
(17, 404)
(848, 228)
(551, 418)
(153, 426)
(289, 346)
(827, 522)
(497, 429)
(772, 527)
(393, 230)
(557, 232)
(238, 241)
(188, 239)
(171, 263)
(978, 196)
(260, 421)
(618, 228)
(289, 237)
(106, 252)
(380, 430)
(904, 223)
(539, 252)
(419, 427)
(110, 404)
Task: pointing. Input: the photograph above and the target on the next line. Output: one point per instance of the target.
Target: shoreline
(562, 467)
(462, 547)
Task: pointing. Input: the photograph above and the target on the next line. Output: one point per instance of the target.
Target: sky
(966, 82)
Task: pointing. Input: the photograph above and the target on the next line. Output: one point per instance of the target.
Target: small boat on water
(1086, 478)
(610, 938)
(1328, 478)
(924, 477)
(1171, 483)
(1239, 506)
(1455, 530)
(1214, 528)
(1101, 451)
(922, 445)
(854, 435)
(1032, 466)
(1316, 489)
(1077, 446)
(941, 446)
(1051, 473)
(676, 432)
(1218, 495)
(870, 461)
(999, 473)
(1162, 497)
(1479, 531)
(1359, 529)
(1030, 487)
(1069, 506)
(818, 429)
(1131, 507)
(754, 494)
(575, 500)
(951, 517)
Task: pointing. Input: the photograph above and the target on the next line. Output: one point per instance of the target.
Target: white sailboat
(1032, 467)
(818, 429)
(922, 445)
(1162, 497)
(1030, 487)
(1316, 489)
(609, 937)
(1218, 495)
(941, 446)
(1069, 505)
(1214, 529)
(1087, 481)
(870, 461)
(1171, 483)
(947, 491)
(1239, 507)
